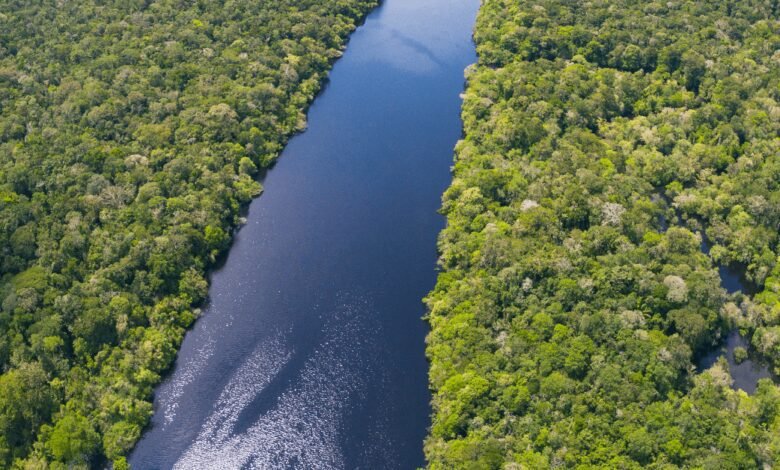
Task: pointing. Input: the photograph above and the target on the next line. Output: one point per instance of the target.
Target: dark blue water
(310, 353)
(746, 374)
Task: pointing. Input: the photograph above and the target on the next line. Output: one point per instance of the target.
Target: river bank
(310, 353)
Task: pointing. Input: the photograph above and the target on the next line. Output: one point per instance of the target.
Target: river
(310, 351)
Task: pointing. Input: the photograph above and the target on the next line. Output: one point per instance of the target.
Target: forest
(603, 141)
(131, 134)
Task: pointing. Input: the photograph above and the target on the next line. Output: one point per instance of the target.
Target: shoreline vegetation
(573, 302)
(131, 134)
(605, 143)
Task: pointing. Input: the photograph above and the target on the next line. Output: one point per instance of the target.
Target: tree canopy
(603, 141)
(130, 133)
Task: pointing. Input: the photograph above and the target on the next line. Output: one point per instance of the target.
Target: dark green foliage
(130, 132)
(601, 138)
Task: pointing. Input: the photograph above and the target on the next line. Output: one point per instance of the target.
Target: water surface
(310, 353)
(745, 374)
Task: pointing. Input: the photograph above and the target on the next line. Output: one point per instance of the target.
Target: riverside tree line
(130, 133)
(603, 139)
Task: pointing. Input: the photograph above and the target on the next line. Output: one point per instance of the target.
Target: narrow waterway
(745, 372)
(310, 353)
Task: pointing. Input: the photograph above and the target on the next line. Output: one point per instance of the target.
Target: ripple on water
(302, 428)
(170, 396)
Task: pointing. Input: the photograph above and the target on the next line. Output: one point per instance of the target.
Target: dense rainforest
(130, 133)
(604, 141)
